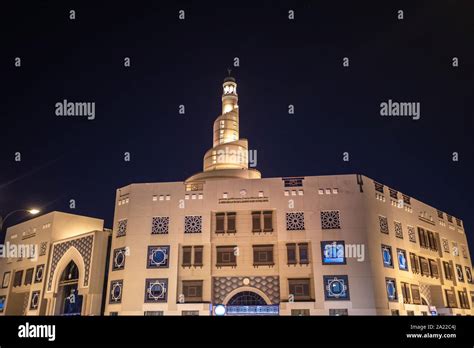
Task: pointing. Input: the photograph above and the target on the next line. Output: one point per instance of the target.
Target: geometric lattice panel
(83, 245)
(411, 234)
(425, 290)
(192, 224)
(445, 245)
(159, 225)
(383, 224)
(330, 219)
(121, 228)
(43, 248)
(398, 229)
(294, 221)
(222, 286)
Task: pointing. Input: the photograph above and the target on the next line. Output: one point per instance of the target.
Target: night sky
(282, 62)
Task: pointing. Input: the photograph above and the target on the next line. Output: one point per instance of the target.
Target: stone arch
(72, 254)
(247, 288)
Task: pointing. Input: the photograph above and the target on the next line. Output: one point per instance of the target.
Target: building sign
(243, 200)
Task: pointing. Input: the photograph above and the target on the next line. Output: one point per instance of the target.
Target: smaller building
(55, 265)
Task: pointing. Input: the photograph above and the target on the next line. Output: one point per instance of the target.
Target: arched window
(70, 273)
(246, 298)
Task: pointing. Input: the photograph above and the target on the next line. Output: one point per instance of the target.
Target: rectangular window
(198, 251)
(415, 265)
(291, 254)
(448, 270)
(304, 256)
(300, 289)
(187, 253)
(190, 313)
(262, 217)
(29, 276)
(226, 256)
(263, 255)
(268, 221)
(192, 291)
(406, 292)
(425, 268)
(415, 294)
(220, 217)
(17, 278)
(423, 238)
(225, 222)
(450, 298)
(434, 268)
(256, 221)
(463, 301)
(432, 241)
(231, 226)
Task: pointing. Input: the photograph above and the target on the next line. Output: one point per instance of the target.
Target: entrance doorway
(250, 303)
(69, 300)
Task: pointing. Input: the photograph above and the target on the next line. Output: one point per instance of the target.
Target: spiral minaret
(228, 158)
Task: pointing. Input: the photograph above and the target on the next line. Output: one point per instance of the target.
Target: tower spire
(229, 155)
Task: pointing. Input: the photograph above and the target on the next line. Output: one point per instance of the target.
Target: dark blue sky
(281, 62)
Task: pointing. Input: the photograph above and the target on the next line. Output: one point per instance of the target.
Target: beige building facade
(54, 264)
(226, 241)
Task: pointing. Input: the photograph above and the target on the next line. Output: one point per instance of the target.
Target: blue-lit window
(387, 256)
(402, 259)
(3, 299)
(158, 256)
(336, 287)
(391, 287)
(119, 259)
(332, 252)
(116, 290)
(156, 290)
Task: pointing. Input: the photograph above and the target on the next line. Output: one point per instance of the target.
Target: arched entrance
(249, 301)
(69, 301)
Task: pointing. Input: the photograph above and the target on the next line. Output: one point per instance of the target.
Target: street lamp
(32, 211)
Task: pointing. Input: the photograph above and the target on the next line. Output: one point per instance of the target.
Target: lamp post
(2, 219)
